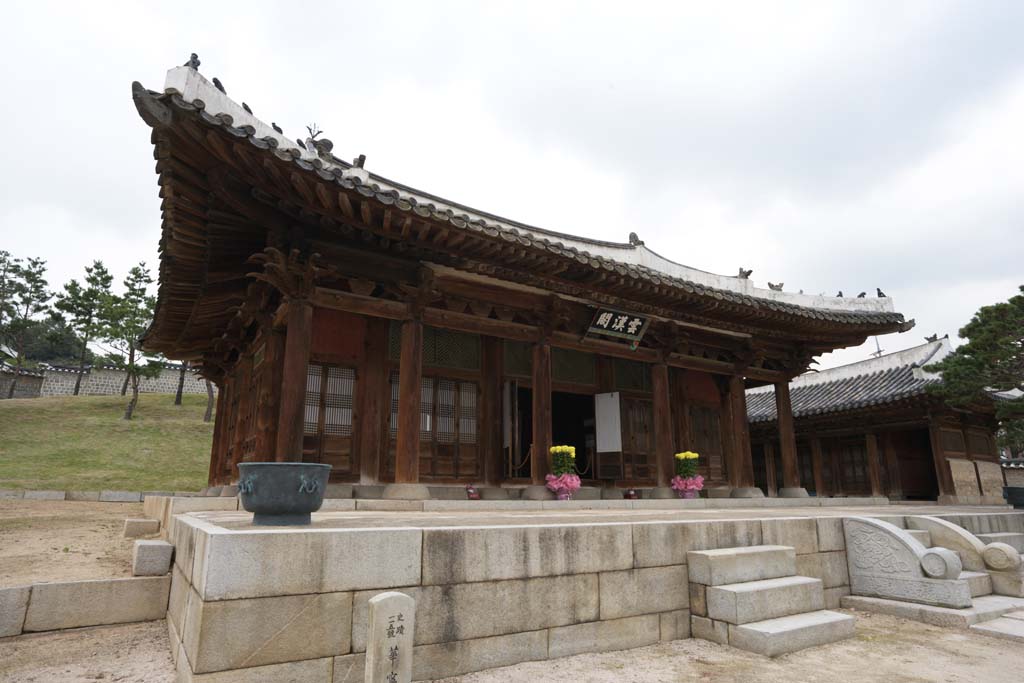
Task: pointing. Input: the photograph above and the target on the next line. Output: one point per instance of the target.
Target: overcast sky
(824, 145)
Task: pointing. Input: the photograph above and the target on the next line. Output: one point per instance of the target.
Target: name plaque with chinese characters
(389, 638)
(628, 327)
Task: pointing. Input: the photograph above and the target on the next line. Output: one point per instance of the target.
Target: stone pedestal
(795, 492)
(406, 492)
(537, 492)
(747, 492)
(662, 493)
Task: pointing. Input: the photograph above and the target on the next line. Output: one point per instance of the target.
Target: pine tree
(125, 319)
(29, 296)
(84, 306)
(992, 360)
(8, 267)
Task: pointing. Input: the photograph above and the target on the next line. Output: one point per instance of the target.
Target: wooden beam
(787, 437)
(298, 338)
(892, 465)
(410, 372)
(664, 446)
(541, 392)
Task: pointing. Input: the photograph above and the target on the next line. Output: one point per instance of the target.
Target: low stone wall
(485, 596)
(108, 382)
(28, 384)
(74, 604)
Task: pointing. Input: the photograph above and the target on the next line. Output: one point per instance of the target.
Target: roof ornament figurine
(776, 287)
(881, 294)
(839, 294)
(276, 127)
(932, 337)
(635, 240)
(862, 295)
(359, 161)
(193, 62)
(218, 85)
(745, 274)
(246, 107)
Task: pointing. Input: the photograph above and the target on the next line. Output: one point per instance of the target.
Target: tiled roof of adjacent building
(873, 382)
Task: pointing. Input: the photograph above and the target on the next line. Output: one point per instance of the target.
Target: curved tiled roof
(188, 91)
(874, 382)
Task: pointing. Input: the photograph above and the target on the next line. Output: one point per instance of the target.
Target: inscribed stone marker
(389, 638)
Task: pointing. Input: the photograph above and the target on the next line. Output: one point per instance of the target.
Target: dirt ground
(884, 649)
(43, 540)
(129, 653)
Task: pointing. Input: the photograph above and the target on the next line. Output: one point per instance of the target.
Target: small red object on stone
(630, 494)
(472, 493)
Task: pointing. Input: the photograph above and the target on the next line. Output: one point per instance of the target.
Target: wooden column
(663, 442)
(219, 424)
(770, 475)
(298, 337)
(410, 373)
(490, 436)
(874, 466)
(943, 474)
(269, 408)
(787, 437)
(541, 411)
(245, 399)
(741, 469)
(374, 401)
(892, 466)
(817, 463)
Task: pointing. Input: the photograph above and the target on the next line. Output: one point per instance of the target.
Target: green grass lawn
(83, 444)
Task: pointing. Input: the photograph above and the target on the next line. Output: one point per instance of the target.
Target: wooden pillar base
(793, 492)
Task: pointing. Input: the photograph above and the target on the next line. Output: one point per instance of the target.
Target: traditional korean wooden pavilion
(352, 320)
(874, 428)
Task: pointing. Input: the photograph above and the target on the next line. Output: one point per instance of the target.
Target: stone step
(1011, 538)
(738, 565)
(980, 583)
(774, 637)
(743, 603)
(921, 535)
(1005, 628)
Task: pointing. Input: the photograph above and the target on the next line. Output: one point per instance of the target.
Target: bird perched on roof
(193, 62)
(276, 127)
(301, 143)
(862, 295)
(881, 294)
(246, 107)
(218, 85)
(839, 293)
(932, 337)
(776, 287)
(745, 274)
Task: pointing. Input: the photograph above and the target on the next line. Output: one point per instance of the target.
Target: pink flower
(694, 483)
(563, 482)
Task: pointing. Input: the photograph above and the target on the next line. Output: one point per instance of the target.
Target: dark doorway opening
(572, 424)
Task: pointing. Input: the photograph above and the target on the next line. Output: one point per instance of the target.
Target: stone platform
(493, 586)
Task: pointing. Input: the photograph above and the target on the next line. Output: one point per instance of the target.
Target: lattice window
(448, 427)
(328, 417)
(441, 348)
(518, 359)
(631, 375)
(573, 366)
